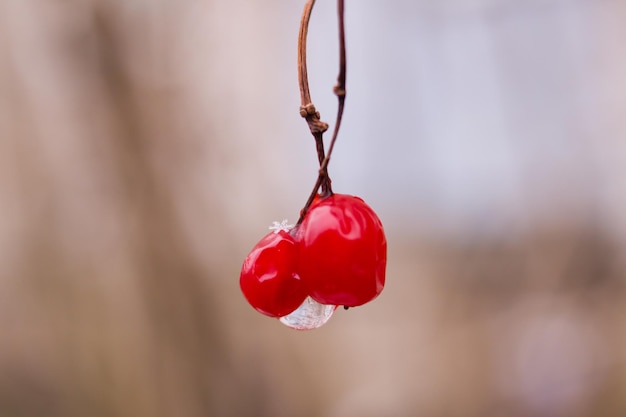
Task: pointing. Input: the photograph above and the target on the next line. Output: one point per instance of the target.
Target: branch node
(316, 125)
(339, 91)
(312, 116)
(309, 110)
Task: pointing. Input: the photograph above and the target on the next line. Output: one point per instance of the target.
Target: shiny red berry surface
(269, 280)
(342, 251)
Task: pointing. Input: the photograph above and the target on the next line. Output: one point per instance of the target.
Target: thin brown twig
(340, 88)
(323, 180)
(307, 109)
(303, 78)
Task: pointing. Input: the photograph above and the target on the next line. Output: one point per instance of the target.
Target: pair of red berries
(337, 256)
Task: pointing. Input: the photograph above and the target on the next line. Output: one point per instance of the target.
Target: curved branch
(323, 180)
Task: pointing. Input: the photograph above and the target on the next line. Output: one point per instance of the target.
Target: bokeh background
(145, 146)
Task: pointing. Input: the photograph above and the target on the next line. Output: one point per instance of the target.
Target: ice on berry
(310, 315)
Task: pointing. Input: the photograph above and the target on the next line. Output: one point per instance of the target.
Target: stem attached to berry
(307, 109)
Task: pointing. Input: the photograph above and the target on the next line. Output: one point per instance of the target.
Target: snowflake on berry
(284, 226)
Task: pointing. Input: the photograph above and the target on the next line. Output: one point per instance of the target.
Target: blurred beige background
(145, 146)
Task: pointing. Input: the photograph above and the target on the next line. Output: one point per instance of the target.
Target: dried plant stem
(340, 87)
(307, 109)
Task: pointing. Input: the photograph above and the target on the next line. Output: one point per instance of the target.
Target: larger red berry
(268, 277)
(343, 251)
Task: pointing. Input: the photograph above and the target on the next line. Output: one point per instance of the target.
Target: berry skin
(343, 251)
(268, 277)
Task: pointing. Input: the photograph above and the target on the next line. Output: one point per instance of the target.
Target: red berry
(343, 251)
(268, 277)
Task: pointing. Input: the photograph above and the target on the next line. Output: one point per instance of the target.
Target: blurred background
(145, 147)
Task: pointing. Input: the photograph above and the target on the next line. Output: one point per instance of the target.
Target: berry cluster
(337, 252)
(336, 256)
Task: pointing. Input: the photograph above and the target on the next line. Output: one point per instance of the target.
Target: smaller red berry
(268, 279)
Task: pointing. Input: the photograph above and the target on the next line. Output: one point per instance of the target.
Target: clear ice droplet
(310, 315)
